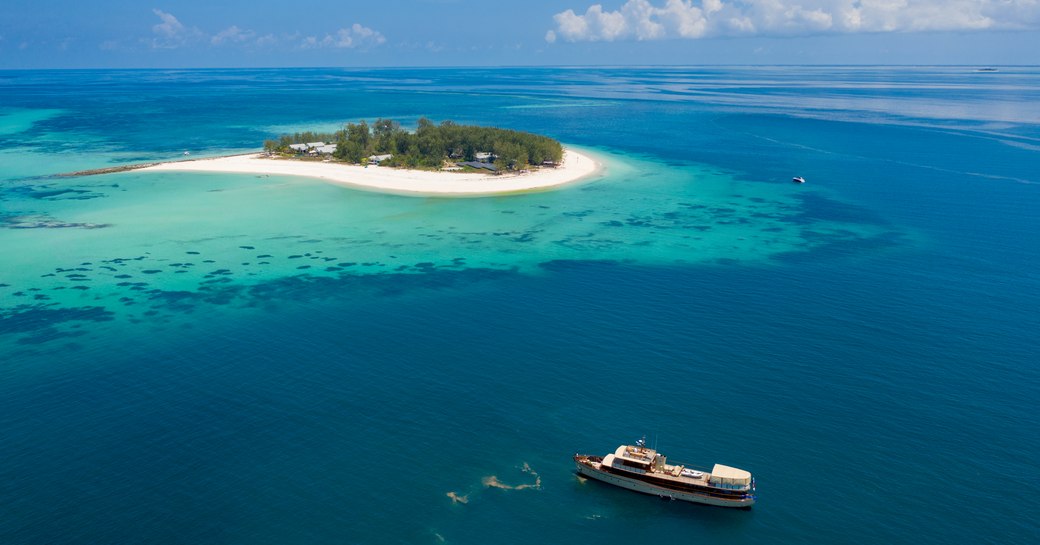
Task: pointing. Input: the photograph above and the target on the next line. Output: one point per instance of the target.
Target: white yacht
(645, 470)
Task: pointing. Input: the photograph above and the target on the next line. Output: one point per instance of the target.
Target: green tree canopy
(431, 144)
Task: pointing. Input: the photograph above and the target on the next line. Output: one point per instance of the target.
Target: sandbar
(575, 166)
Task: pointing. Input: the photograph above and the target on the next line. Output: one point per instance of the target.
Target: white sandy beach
(575, 166)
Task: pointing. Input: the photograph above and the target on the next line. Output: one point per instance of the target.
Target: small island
(447, 146)
(446, 160)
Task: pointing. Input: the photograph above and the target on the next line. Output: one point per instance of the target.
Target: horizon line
(563, 66)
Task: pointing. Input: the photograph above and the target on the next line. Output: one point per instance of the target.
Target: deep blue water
(865, 344)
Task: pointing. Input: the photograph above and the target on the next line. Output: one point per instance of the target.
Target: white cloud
(267, 40)
(171, 33)
(595, 24)
(645, 20)
(355, 36)
(169, 27)
(232, 34)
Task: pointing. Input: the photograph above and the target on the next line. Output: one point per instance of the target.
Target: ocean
(242, 359)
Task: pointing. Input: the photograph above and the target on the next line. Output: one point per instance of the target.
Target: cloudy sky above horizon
(196, 33)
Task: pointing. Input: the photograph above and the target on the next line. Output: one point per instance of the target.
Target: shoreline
(575, 166)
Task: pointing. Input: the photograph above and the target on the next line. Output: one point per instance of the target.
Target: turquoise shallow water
(218, 358)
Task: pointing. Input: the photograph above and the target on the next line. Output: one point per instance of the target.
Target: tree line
(430, 145)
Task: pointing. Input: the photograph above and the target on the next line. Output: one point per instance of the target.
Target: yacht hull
(667, 493)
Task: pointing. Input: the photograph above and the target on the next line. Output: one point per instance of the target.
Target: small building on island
(313, 148)
(479, 164)
(376, 159)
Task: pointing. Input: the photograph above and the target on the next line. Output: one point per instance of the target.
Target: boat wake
(458, 498)
(492, 481)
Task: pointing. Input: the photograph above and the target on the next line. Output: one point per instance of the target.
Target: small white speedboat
(798, 180)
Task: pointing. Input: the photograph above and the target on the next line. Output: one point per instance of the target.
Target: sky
(263, 33)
